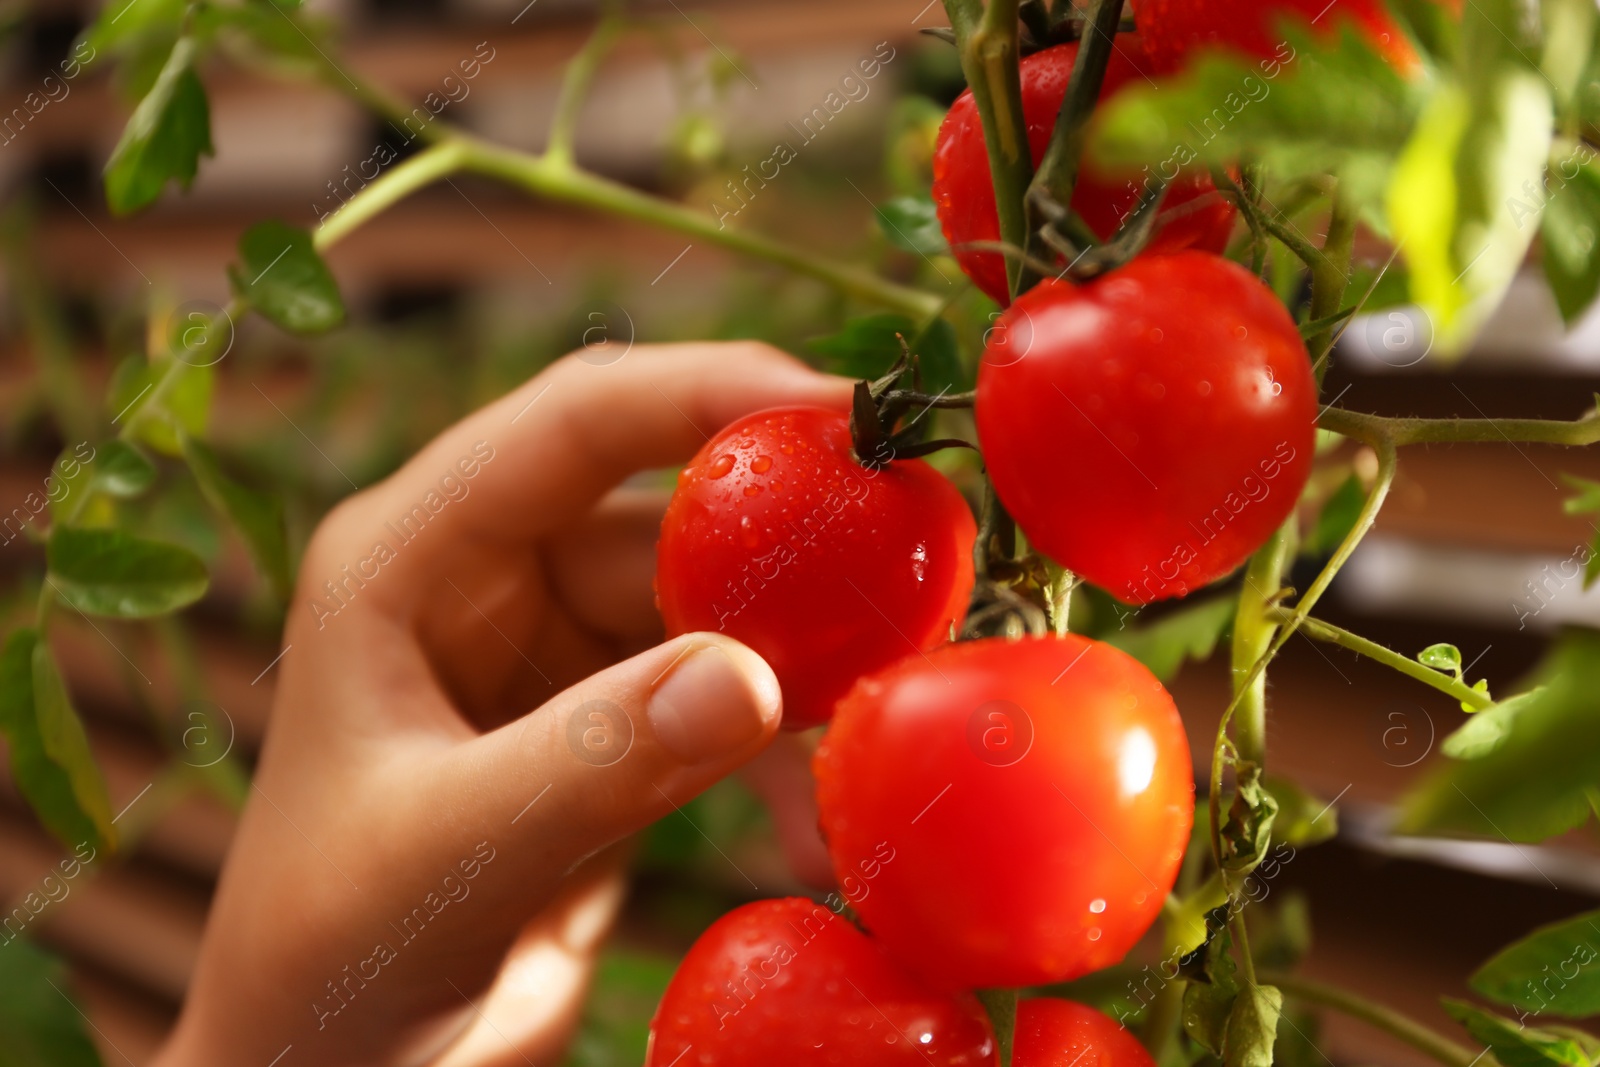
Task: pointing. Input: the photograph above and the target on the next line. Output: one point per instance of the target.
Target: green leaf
(1189, 633)
(187, 405)
(66, 743)
(39, 1025)
(1587, 502)
(121, 470)
(1442, 657)
(1302, 819)
(283, 277)
(911, 224)
(1485, 730)
(1481, 143)
(1317, 106)
(1569, 38)
(122, 24)
(258, 518)
(1531, 784)
(1337, 518)
(867, 347)
(1550, 970)
(1568, 231)
(165, 137)
(46, 785)
(114, 574)
(1514, 1044)
(1211, 993)
(69, 477)
(1247, 829)
(1253, 1027)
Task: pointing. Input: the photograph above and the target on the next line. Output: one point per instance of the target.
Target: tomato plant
(1037, 803)
(789, 981)
(1151, 428)
(830, 567)
(1183, 222)
(964, 193)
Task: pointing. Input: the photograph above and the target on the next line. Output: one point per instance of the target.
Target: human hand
(423, 871)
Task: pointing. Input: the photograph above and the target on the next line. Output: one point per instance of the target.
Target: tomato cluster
(1011, 812)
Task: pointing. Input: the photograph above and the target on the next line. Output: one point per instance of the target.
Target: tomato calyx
(877, 408)
(1009, 599)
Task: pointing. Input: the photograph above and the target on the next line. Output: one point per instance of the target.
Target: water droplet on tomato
(786, 448)
(1203, 388)
(720, 467)
(1097, 905)
(752, 490)
(777, 485)
(1241, 332)
(1094, 933)
(1155, 335)
(748, 532)
(761, 464)
(919, 561)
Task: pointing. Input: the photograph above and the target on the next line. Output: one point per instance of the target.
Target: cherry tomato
(1150, 429)
(779, 537)
(964, 193)
(1036, 797)
(787, 983)
(1062, 1033)
(1173, 30)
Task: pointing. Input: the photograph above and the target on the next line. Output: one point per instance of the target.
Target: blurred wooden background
(1453, 557)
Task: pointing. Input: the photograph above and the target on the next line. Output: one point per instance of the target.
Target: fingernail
(713, 702)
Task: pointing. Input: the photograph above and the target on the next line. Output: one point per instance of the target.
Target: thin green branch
(1253, 631)
(423, 169)
(1058, 168)
(1411, 431)
(1420, 1037)
(1445, 683)
(1330, 277)
(566, 184)
(986, 39)
(1387, 464)
(575, 85)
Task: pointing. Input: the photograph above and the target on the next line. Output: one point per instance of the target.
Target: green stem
(986, 38)
(1001, 1004)
(1253, 631)
(426, 167)
(1413, 1033)
(1058, 168)
(171, 375)
(563, 183)
(1447, 684)
(575, 84)
(1411, 431)
(1330, 276)
(1387, 462)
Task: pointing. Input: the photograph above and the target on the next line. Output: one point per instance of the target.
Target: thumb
(609, 756)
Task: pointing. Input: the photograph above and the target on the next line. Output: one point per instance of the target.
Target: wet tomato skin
(963, 191)
(1064, 1033)
(1037, 796)
(1150, 429)
(829, 569)
(788, 982)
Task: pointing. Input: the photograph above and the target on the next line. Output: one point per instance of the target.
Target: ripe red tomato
(1148, 430)
(1062, 1033)
(964, 193)
(779, 537)
(788, 982)
(1036, 795)
(1173, 30)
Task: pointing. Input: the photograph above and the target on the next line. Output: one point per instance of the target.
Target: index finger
(545, 453)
